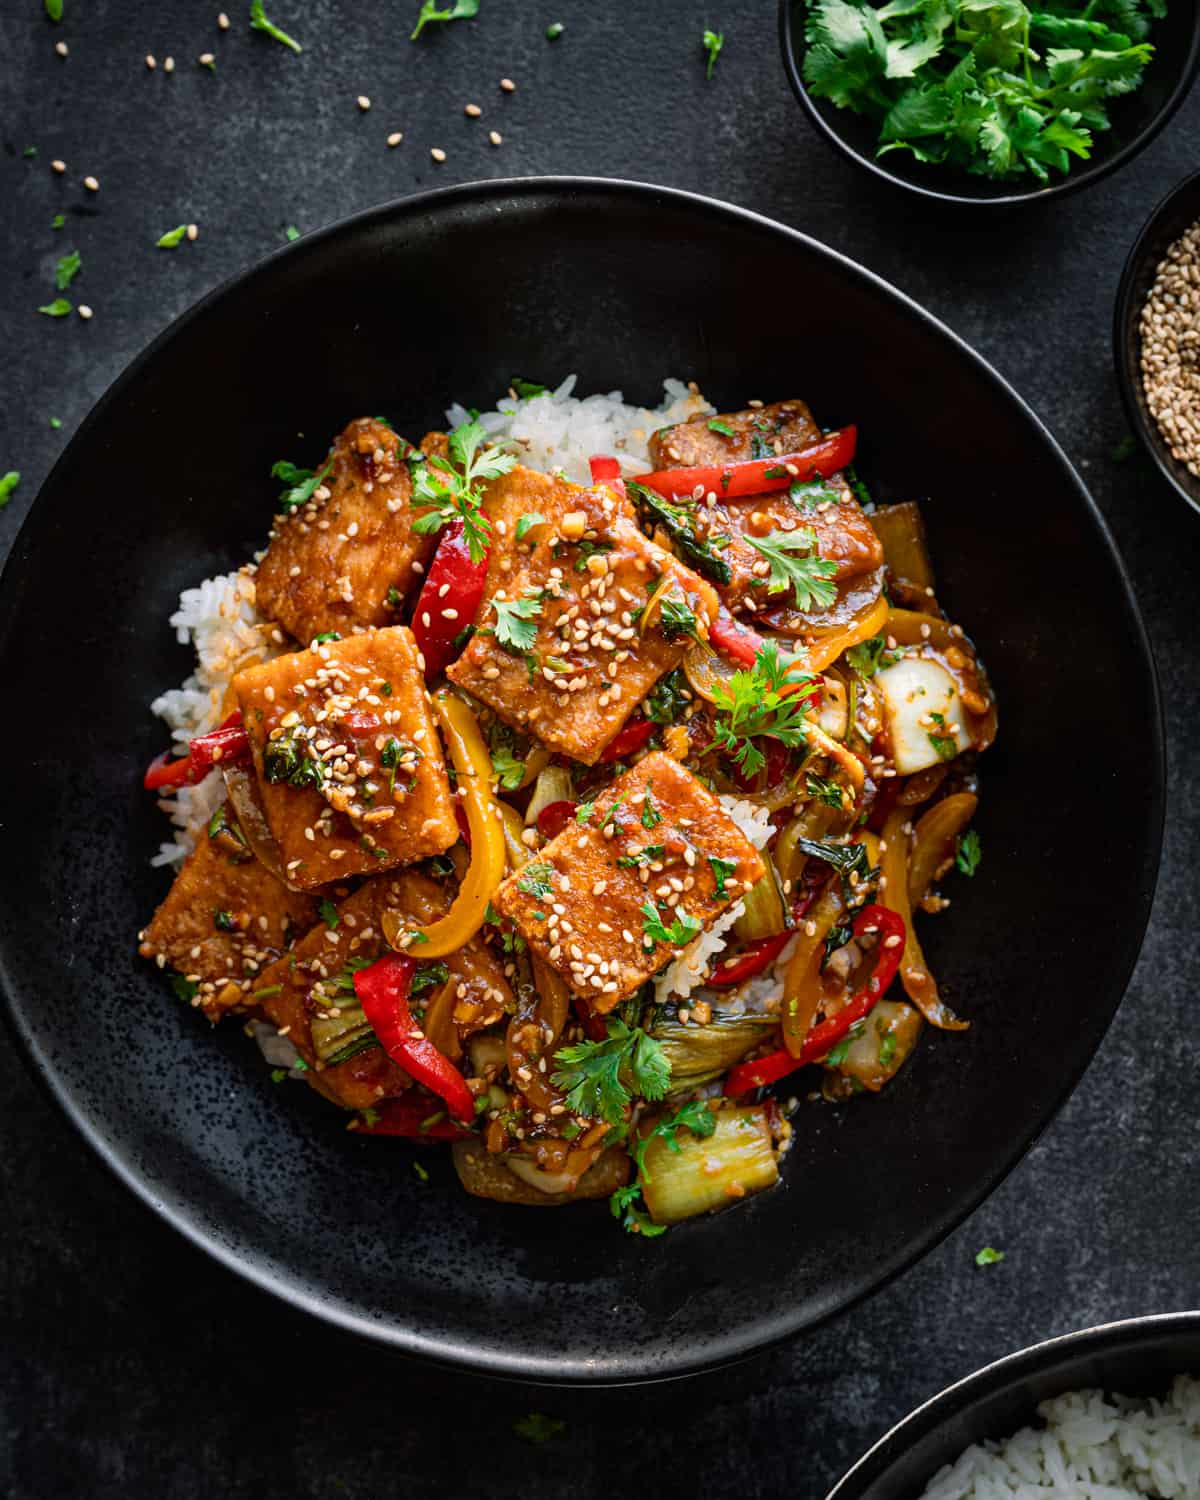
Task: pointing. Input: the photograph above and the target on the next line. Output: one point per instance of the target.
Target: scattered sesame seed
(223, 21)
(473, 110)
(85, 311)
(169, 65)
(207, 60)
(495, 137)
(193, 231)
(150, 60)
(364, 103)
(92, 184)
(395, 138)
(58, 166)
(508, 85)
(437, 153)
(61, 48)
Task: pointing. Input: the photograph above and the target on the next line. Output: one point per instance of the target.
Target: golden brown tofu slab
(225, 919)
(842, 534)
(302, 988)
(575, 662)
(348, 557)
(757, 432)
(348, 759)
(621, 892)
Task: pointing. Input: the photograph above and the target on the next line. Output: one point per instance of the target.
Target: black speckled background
(133, 1367)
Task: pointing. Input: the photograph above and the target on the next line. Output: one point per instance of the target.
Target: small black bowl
(1136, 1357)
(1179, 209)
(1136, 119)
(400, 310)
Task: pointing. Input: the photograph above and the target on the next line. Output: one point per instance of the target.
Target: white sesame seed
(58, 166)
(207, 60)
(85, 311)
(473, 110)
(150, 60)
(92, 184)
(364, 103)
(495, 137)
(508, 85)
(61, 48)
(395, 138)
(437, 153)
(169, 65)
(223, 21)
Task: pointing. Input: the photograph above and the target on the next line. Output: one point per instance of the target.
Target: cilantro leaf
(527, 522)
(537, 1427)
(461, 10)
(969, 852)
(527, 389)
(676, 619)
(824, 790)
(302, 483)
(510, 772)
(172, 238)
(450, 487)
(681, 931)
(754, 703)
(535, 880)
(713, 42)
(808, 577)
(59, 308)
(516, 627)
(260, 22)
(8, 484)
(722, 869)
(66, 269)
(870, 656)
(598, 1079)
(715, 424)
(989, 1257)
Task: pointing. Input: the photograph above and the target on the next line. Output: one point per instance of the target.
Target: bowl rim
(1021, 1364)
(1127, 368)
(745, 1339)
(793, 50)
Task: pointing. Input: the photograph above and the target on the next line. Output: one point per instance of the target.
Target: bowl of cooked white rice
(1107, 1413)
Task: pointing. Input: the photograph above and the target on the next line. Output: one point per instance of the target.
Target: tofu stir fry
(560, 822)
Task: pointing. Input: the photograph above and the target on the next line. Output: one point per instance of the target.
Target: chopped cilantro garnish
(302, 483)
(583, 813)
(554, 31)
(598, 1079)
(535, 880)
(510, 772)
(259, 22)
(8, 484)
(722, 869)
(450, 487)
(328, 912)
(516, 620)
(420, 1171)
(58, 221)
(823, 790)
(754, 703)
(870, 656)
(810, 578)
(172, 238)
(59, 308)
(278, 1075)
(887, 1049)
(461, 10)
(527, 522)
(651, 817)
(54, 9)
(643, 857)
(526, 389)
(715, 424)
(681, 931)
(186, 989)
(989, 1257)
(713, 42)
(290, 233)
(969, 852)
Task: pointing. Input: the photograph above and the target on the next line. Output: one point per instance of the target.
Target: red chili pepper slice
(383, 991)
(820, 1039)
(226, 744)
(757, 476)
(629, 739)
(412, 1116)
(556, 816)
(752, 960)
(451, 566)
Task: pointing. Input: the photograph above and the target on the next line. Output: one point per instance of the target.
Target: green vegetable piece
(290, 233)
(713, 41)
(172, 238)
(66, 269)
(989, 1257)
(59, 308)
(54, 9)
(462, 10)
(8, 484)
(260, 22)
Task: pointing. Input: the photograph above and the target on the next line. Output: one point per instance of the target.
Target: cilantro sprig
(259, 21)
(301, 483)
(694, 1116)
(599, 1079)
(754, 704)
(796, 567)
(993, 87)
(681, 931)
(713, 42)
(450, 488)
(462, 10)
(516, 620)
(969, 852)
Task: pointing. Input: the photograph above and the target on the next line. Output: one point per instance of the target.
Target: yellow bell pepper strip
(514, 845)
(802, 983)
(533, 1034)
(934, 840)
(470, 758)
(825, 651)
(919, 984)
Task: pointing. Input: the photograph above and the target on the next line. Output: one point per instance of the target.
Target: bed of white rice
(218, 617)
(1092, 1447)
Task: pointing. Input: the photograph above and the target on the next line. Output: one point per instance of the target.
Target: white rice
(1091, 1448)
(219, 617)
(695, 961)
(561, 431)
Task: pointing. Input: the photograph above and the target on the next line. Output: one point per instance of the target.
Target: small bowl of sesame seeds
(1156, 337)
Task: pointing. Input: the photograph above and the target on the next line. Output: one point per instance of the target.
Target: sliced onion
(553, 785)
(706, 668)
(252, 820)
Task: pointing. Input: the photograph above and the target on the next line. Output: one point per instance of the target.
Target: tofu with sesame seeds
(225, 919)
(756, 432)
(622, 891)
(580, 657)
(346, 559)
(347, 756)
(309, 995)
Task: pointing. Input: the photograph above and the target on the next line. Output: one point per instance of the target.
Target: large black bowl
(1136, 119)
(396, 311)
(1136, 1357)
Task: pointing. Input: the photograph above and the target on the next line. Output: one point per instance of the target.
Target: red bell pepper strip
(413, 1116)
(451, 566)
(383, 991)
(556, 816)
(752, 960)
(821, 1038)
(629, 739)
(756, 476)
(226, 744)
(604, 468)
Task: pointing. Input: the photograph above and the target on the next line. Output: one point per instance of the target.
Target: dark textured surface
(134, 1366)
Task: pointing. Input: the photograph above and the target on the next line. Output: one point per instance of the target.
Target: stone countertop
(135, 1367)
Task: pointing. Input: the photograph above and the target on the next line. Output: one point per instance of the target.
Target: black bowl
(1136, 120)
(397, 311)
(1136, 1357)
(1177, 211)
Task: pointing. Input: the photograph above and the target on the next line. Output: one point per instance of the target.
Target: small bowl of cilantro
(990, 101)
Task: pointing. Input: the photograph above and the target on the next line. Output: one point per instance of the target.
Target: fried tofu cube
(561, 649)
(347, 558)
(309, 994)
(757, 432)
(225, 919)
(348, 760)
(626, 888)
